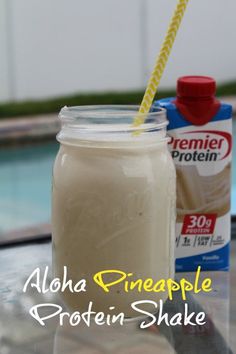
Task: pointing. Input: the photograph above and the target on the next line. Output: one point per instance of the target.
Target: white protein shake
(113, 203)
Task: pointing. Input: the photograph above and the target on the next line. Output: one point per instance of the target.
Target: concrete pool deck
(44, 127)
(29, 128)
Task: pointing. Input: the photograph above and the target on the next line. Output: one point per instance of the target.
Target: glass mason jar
(113, 204)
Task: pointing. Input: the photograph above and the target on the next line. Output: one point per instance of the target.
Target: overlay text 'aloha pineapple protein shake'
(113, 203)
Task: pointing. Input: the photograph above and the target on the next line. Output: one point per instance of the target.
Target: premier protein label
(201, 146)
(202, 157)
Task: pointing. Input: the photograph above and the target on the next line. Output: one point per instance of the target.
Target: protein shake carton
(200, 128)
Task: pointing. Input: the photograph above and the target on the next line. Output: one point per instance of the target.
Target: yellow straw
(161, 63)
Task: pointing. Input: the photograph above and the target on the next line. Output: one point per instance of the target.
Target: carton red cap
(196, 86)
(196, 99)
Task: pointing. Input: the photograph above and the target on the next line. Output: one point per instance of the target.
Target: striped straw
(161, 62)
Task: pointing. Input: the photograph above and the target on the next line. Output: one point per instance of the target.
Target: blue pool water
(25, 185)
